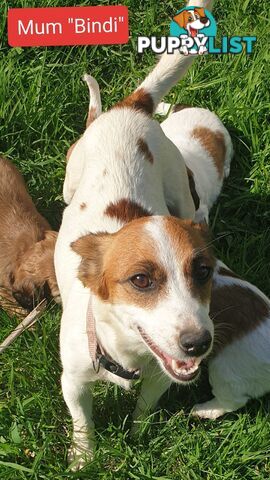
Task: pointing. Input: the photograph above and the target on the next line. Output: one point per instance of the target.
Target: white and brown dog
(239, 366)
(133, 272)
(206, 147)
(201, 138)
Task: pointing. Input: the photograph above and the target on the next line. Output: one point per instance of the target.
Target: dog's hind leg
(79, 400)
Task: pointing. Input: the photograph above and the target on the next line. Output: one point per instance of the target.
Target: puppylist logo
(193, 30)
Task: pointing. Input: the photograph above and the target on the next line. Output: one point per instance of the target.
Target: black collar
(113, 367)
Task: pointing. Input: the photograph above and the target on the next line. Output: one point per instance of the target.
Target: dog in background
(201, 138)
(239, 365)
(26, 242)
(206, 147)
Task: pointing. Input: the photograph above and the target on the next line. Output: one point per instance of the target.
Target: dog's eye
(190, 19)
(202, 273)
(141, 281)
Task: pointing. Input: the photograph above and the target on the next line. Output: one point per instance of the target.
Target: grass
(43, 106)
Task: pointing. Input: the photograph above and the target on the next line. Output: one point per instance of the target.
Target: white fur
(241, 370)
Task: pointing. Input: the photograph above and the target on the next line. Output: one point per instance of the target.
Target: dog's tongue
(179, 363)
(189, 364)
(193, 32)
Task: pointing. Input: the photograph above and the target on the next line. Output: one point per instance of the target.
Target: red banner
(29, 27)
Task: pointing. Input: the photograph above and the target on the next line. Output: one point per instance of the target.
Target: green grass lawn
(43, 106)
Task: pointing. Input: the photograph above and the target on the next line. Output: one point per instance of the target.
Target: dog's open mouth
(193, 32)
(181, 371)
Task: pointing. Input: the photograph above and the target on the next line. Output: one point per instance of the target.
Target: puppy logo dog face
(192, 20)
(154, 276)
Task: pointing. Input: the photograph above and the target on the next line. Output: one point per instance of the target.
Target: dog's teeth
(174, 365)
(182, 370)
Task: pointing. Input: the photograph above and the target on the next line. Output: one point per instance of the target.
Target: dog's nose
(195, 344)
(204, 20)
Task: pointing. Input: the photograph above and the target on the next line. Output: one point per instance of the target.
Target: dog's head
(155, 274)
(34, 278)
(192, 20)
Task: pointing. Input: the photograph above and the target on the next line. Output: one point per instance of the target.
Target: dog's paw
(79, 457)
(210, 409)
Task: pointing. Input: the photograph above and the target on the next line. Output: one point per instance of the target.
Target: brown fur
(235, 311)
(214, 144)
(145, 151)
(190, 243)
(22, 229)
(125, 210)
(102, 272)
(139, 100)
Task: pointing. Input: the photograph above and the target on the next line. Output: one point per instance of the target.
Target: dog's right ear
(92, 248)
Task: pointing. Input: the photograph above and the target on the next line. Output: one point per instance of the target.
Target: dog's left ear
(180, 19)
(93, 248)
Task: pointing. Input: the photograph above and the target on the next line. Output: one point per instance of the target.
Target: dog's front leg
(79, 400)
(154, 384)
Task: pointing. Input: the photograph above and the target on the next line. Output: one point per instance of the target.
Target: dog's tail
(95, 107)
(168, 71)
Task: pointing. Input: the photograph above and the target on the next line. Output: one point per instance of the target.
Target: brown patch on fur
(83, 206)
(180, 106)
(144, 149)
(126, 210)
(21, 228)
(139, 100)
(214, 144)
(192, 187)
(108, 262)
(190, 244)
(235, 311)
(70, 150)
(92, 115)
